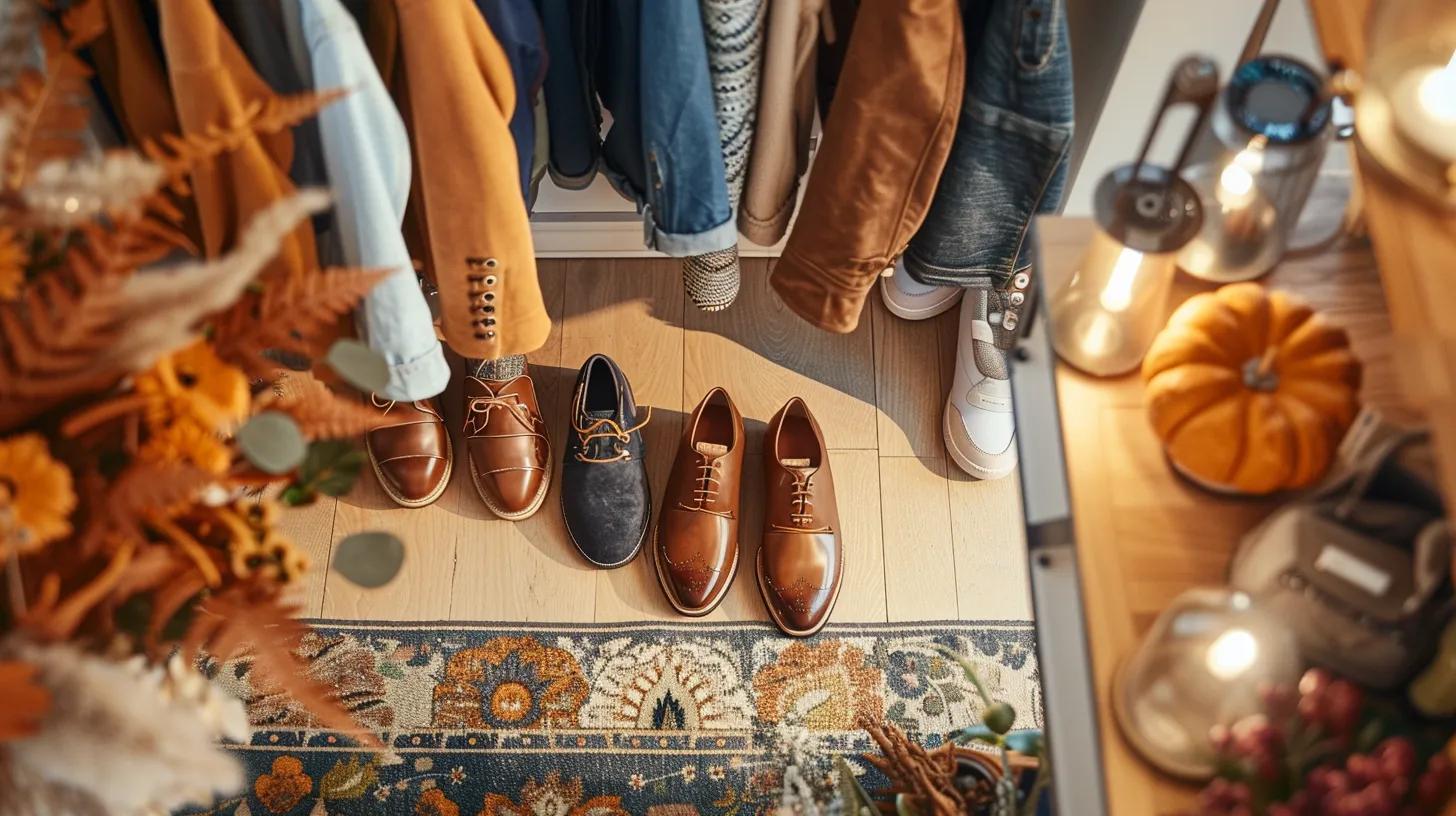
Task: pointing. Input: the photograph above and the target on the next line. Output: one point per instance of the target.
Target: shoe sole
(908, 313)
(773, 613)
(961, 458)
(667, 593)
(434, 494)
(536, 501)
(625, 561)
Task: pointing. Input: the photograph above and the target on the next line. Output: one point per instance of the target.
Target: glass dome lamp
(1203, 664)
(1405, 107)
(1105, 315)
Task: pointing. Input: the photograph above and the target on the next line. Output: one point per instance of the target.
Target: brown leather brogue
(801, 563)
(696, 542)
(506, 445)
(411, 454)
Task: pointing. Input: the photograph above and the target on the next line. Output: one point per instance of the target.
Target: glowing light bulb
(1232, 653)
(1437, 92)
(1117, 294)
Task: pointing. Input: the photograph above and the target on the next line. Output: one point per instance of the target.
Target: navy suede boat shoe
(605, 497)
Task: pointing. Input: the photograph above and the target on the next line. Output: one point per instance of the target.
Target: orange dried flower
(36, 495)
(192, 397)
(13, 259)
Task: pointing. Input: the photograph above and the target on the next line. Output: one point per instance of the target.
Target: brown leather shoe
(507, 446)
(696, 542)
(801, 563)
(411, 455)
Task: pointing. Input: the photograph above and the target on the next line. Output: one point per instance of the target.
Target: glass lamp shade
(1106, 313)
(1203, 664)
(1405, 111)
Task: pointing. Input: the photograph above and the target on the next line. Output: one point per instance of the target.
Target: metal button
(1009, 321)
(1020, 281)
(490, 280)
(1017, 298)
(491, 263)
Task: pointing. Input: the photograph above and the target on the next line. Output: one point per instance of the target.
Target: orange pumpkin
(1251, 390)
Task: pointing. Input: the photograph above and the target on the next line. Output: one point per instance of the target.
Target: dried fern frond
(318, 411)
(83, 22)
(290, 315)
(50, 110)
(53, 332)
(251, 619)
(81, 329)
(148, 488)
(181, 154)
(163, 308)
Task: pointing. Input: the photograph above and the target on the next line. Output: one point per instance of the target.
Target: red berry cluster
(1296, 760)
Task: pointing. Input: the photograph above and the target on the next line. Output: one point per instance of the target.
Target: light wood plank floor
(923, 541)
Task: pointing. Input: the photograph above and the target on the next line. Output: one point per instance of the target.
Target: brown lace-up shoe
(696, 542)
(506, 445)
(411, 454)
(801, 563)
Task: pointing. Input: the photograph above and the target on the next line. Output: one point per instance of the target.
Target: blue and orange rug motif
(604, 720)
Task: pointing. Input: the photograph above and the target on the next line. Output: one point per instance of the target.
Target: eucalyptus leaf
(370, 559)
(272, 442)
(332, 466)
(359, 365)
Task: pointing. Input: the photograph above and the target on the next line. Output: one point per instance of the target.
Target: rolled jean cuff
(423, 377)
(967, 278)
(687, 244)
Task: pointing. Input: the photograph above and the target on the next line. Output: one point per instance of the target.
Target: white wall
(1166, 31)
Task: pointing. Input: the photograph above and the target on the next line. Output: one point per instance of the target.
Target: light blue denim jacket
(367, 154)
(1008, 161)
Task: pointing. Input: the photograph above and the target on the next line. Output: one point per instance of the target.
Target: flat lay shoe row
(606, 499)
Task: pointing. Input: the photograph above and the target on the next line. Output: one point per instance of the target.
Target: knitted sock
(504, 368)
(712, 279)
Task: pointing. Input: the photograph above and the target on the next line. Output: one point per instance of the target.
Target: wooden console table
(1143, 534)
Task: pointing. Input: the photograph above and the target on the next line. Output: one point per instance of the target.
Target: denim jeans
(648, 60)
(672, 166)
(1008, 161)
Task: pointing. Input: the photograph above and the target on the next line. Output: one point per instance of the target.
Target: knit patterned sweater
(734, 31)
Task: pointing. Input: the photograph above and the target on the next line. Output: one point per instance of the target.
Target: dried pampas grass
(121, 739)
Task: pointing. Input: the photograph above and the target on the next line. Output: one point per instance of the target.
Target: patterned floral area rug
(578, 720)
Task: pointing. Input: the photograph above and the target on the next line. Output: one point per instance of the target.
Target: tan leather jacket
(885, 143)
(455, 88)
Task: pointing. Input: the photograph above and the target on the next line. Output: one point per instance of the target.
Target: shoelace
(479, 409)
(612, 431)
(707, 490)
(802, 513)
(388, 405)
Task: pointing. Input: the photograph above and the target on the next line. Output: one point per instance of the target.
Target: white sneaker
(909, 298)
(980, 430)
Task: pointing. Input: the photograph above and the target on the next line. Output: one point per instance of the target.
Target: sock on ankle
(502, 369)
